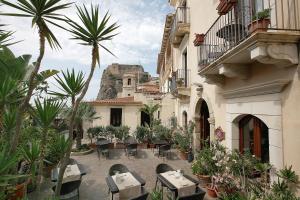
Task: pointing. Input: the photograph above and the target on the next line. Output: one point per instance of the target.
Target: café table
(179, 185)
(72, 172)
(115, 188)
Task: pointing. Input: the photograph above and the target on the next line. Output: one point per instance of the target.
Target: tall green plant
(91, 31)
(150, 110)
(42, 13)
(45, 112)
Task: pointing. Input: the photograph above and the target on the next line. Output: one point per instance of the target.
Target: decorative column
(196, 138)
(212, 128)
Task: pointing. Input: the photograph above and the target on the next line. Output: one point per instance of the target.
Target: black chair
(69, 190)
(117, 168)
(144, 195)
(131, 149)
(164, 150)
(199, 195)
(104, 150)
(162, 168)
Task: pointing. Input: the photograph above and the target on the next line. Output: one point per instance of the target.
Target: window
(158, 114)
(116, 116)
(254, 137)
(129, 81)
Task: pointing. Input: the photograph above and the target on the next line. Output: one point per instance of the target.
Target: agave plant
(42, 13)
(45, 112)
(91, 31)
(70, 85)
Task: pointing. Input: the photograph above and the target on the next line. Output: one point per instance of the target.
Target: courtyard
(94, 187)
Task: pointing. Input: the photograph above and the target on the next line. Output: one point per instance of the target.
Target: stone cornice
(257, 89)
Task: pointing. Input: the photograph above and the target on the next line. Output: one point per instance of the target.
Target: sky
(140, 34)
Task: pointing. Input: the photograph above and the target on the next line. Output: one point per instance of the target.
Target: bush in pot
(141, 134)
(260, 21)
(121, 133)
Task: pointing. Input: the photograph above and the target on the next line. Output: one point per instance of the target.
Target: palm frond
(92, 30)
(42, 12)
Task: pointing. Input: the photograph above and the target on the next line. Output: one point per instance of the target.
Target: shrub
(121, 133)
(161, 132)
(142, 133)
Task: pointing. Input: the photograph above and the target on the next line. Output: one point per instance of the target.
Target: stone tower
(129, 84)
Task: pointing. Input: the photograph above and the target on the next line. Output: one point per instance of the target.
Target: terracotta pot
(143, 145)
(47, 170)
(225, 6)
(204, 180)
(19, 192)
(111, 145)
(260, 25)
(211, 191)
(199, 39)
(183, 155)
(93, 146)
(119, 145)
(151, 146)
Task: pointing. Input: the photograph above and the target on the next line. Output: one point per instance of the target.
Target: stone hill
(112, 79)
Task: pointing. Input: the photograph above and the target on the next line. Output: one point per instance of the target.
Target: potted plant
(121, 133)
(225, 6)
(110, 132)
(199, 39)
(260, 21)
(141, 134)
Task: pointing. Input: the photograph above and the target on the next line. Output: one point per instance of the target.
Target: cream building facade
(125, 109)
(244, 81)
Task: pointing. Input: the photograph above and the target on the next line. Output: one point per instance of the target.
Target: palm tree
(45, 112)
(91, 32)
(84, 113)
(43, 13)
(150, 110)
(5, 37)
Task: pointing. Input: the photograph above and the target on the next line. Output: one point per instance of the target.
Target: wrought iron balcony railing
(180, 79)
(180, 24)
(247, 16)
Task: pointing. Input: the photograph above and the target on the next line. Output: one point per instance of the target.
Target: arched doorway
(254, 137)
(184, 119)
(204, 123)
(145, 119)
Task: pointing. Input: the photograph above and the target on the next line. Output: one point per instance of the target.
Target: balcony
(180, 83)
(181, 25)
(242, 37)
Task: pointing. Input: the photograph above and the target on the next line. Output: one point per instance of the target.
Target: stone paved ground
(93, 185)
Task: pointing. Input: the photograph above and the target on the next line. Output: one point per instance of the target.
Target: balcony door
(184, 64)
(204, 124)
(254, 137)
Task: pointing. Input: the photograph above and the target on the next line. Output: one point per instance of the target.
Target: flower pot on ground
(93, 146)
(119, 145)
(18, 192)
(183, 155)
(203, 179)
(190, 156)
(143, 145)
(211, 191)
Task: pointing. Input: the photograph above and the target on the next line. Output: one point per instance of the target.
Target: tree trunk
(24, 105)
(72, 117)
(79, 134)
(41, 161)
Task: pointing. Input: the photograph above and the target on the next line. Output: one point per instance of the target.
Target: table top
(103, 142)
(54, 172)
(171, 187)
(114, 188)
(160, 142)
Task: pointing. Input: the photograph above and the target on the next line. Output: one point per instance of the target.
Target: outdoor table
(178, 189)
(113, 186)
(76, 174)
(159, 143)
(102, 142)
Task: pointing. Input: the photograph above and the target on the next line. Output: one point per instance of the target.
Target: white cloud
(138, 42)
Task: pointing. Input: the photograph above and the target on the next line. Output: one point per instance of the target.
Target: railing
(232, 28)
(182, 15)
(180, 79)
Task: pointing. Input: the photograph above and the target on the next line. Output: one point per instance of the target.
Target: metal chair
(164, 150)
(198, 195)
(104, 150)
(144, 195)
(162, 168)
(117, 168)
(69, 190)
(131, 149)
